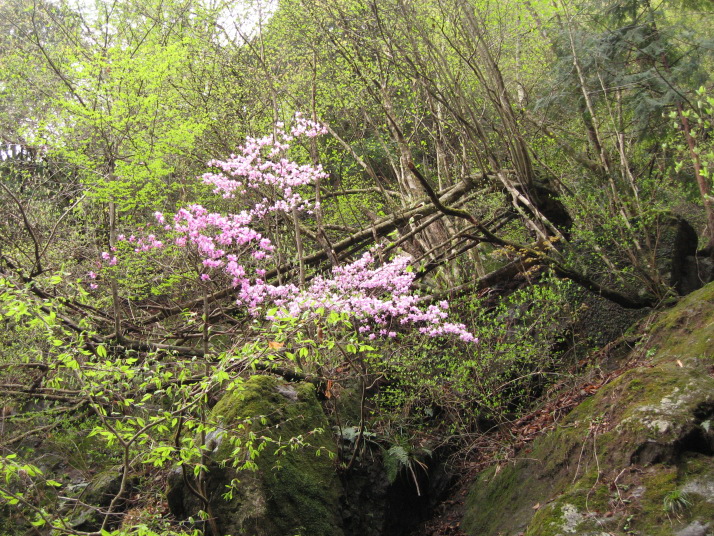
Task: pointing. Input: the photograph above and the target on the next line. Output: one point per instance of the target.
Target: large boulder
(295, 489)
(634, 459)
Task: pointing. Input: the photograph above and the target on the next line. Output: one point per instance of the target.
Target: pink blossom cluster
(220, 240)
(306, 127)
(260, 162)
(109, 258)
(378, 297)
(106, 259)
(92, 275)
(142, 243)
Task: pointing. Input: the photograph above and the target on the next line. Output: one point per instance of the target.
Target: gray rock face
(695, 529)
(677, 242)
(295, 491)
(93, 497)
(696, 272)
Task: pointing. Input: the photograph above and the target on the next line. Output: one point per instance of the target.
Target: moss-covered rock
(87, 500)
(634, 459)
(294, 490)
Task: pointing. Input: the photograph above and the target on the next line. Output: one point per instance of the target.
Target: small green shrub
(676, 502)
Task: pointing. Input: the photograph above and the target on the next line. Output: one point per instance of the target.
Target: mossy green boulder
(295, 489)
(634, 459)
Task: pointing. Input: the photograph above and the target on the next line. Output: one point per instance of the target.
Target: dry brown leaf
(328, 389)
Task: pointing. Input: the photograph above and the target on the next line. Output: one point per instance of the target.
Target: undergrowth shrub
(462, 390)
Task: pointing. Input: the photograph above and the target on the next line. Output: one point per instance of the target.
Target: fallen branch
(536, 253)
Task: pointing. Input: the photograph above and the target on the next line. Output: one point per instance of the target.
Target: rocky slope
(633, 459)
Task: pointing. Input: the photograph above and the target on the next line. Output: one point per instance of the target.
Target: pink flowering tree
(376, 297)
